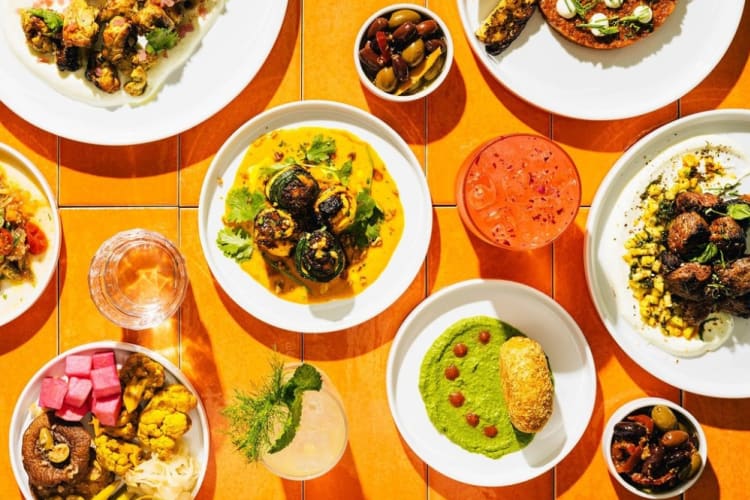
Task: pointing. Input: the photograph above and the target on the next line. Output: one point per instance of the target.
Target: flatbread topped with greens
(107, 52)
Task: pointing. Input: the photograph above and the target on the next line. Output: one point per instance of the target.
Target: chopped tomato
(385, 51)
(35, 238)
(6, 242)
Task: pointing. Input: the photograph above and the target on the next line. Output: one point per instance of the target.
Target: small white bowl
(681, 414)
(426, 14)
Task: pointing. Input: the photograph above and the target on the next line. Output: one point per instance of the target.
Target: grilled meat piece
(670, 261)
(688, 201)
(103, 74)
(735, 277)
(138, 81)
(728, 236)
(689, 280)
(504, 24)
(119, 38)
(152, 16)
(687, 234)
(737, 306)
(39, 36)
(112, 8)
(68, 58)
(79, 24)
(694, 312)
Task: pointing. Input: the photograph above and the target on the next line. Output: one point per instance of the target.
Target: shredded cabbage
(165, 479)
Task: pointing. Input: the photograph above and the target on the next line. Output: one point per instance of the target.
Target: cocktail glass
(321, 437)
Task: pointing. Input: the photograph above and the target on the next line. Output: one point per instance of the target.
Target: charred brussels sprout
(293, 189)
(336, 208)
(319, 256)
(274, 232)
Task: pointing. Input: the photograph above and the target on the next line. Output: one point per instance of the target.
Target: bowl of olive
(403, 52)
(654, 448)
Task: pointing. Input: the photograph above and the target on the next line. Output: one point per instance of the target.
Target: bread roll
(527, 383)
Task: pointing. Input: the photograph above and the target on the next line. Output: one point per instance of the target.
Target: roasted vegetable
(117, 455)
(293, 189)
(165, 420)
(274, 232)
(319, 256)
(141, 377)
(335, 208)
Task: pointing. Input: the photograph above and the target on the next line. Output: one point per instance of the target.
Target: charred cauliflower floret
(165, 420)
(42, 28)
(116, 455)
(141, 377)
(79, 24)
(114, 8)
(138, 81)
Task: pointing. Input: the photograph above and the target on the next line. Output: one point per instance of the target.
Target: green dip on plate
(478, 382)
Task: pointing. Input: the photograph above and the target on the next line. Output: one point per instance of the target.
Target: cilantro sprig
(366, 226)
(321, 150)
(52, 19)
(255, 417)
(160, 39)
(242, 206)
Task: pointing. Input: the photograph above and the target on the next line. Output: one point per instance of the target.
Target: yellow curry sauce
(368, 172)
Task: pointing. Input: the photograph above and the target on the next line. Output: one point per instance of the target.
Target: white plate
(18, 298)
(197, 437)
(567, 79)
(226, 60)
(537, 316)
(720, 373)
(405, 261)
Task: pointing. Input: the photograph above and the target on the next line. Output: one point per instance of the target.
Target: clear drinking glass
(137, 279)
(321, 437)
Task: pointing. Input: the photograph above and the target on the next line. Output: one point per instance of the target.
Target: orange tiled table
(105, 189)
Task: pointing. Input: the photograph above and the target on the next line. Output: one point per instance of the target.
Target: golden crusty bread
(567, 27)
(527, 383)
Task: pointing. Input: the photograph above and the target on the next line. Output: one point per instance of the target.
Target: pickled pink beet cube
(73, 413)
(105, 382)
(78, 391)
(78, 365)
(102, 359)
(52, 393)
(107, 409)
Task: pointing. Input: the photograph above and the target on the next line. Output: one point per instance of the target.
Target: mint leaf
(161, 39)
(305, 378)
(235, 243)
(52, 19)
(708, 254)
(244, 205)
(321, 150)
(738, 211)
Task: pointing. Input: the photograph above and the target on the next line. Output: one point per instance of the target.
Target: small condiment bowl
(424, 89)
(644, 405)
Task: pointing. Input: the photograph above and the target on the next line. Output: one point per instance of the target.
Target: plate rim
(19, 414)
(41, 182)
(101, 136)
(579, 337)
(633, 109)
(331, 110)
(595, 219)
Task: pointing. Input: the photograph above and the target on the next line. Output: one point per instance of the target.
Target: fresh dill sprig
(257, 418)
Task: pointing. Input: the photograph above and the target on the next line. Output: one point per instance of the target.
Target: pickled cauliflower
(116, 455)
(141, 377)
(165, 420)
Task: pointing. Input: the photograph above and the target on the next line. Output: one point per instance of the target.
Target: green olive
(663, 418)
(414, 53)
(402, 16)
(386, 79)
(59, 453)
(434, 70)
(670, 439)
(695, 463)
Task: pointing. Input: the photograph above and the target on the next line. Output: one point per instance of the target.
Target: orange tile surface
(102, 190)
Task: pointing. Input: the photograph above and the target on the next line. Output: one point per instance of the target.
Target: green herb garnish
(52, 19)
(235, 243)
(738, 211)
(366, 226)
(342, 173)
(244, 205)
(320, 150)
(709, 253)
(161, 39)
(255, 418)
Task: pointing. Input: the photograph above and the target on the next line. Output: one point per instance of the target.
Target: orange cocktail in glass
(518, 192)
